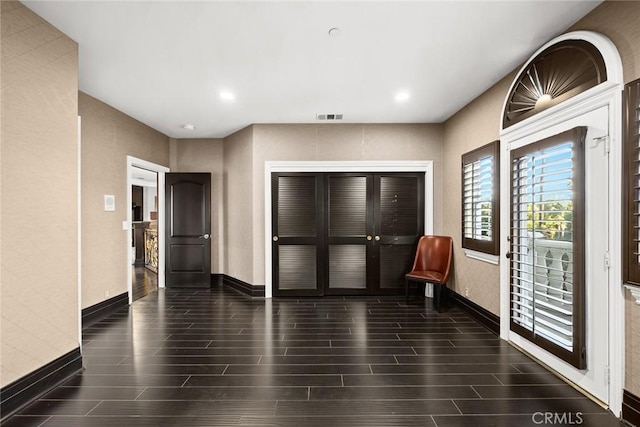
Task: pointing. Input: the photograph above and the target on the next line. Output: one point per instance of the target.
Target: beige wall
(618, 20)
(108, 137)
(205, 155)
(39, 255)
(479, 122)
(244, 154)
(238, 199)
(475, 125)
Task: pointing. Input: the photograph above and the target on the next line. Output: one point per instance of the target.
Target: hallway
(218, 358)
(143, 282)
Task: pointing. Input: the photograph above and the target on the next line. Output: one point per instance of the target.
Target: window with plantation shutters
(480, 202)
(632, 183)
(547, 244)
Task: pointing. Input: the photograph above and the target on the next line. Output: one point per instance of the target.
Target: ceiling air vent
(329, 117)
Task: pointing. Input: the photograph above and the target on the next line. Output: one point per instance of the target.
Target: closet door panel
(348, 266)
(297, 267)
(395, 262)
(399, 223)
(298, 235)
(348, 224)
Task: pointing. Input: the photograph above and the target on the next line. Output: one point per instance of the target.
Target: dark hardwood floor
(144, 281)
(218, 358)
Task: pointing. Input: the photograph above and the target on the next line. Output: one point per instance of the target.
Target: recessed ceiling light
(187, 126)
(335, 32)
(402, 96)
(227, 96)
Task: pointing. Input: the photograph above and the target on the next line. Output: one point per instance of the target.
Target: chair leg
(437, 296)
(406, 291)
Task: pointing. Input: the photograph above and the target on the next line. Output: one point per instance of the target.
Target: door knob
(275, 238)
(204, 236)
(369, 238)
(377, 238)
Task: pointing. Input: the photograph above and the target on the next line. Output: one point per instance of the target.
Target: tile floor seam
(185, 381)
(476, 392)
(92, 409)
(457, 407)
(45, 421)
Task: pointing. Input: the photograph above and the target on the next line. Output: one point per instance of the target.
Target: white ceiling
(166, 63)
(143, 177)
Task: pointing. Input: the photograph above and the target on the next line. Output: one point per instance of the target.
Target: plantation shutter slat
(632, 183)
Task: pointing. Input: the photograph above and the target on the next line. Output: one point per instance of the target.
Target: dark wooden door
(188, 229)
(349, 237)
(398, 224)
(355, 232)
(297, 224)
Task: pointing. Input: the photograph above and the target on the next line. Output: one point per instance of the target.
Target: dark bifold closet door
(345, 233)
(297, 233)
(399, 223)
(349, 224)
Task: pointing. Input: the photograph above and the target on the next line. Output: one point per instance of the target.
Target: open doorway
(144, 232)
(145, 219)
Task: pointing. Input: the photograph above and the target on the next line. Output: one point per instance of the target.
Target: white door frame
(160, 170)
(607, 94)
(79, 213)
(425, 166)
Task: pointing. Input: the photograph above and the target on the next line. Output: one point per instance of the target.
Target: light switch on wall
(109, 202)
(125, 225)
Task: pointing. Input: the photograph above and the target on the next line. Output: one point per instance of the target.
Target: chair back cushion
(434, 254)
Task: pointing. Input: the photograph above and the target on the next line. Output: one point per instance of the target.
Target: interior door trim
(160, 170)
(425, 166)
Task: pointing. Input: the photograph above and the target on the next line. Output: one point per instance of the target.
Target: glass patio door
(547, 244)
(559, 246)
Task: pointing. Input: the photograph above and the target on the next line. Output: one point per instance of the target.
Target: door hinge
(607, 260)
(607, 143)
(607, 374)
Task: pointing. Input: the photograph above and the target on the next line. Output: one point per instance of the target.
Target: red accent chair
(432, 265)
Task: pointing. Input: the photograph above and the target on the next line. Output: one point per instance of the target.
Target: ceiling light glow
(227, 96)
(188, 126)
(402, 96)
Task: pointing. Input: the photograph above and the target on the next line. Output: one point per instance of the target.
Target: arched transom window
(558, 73)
